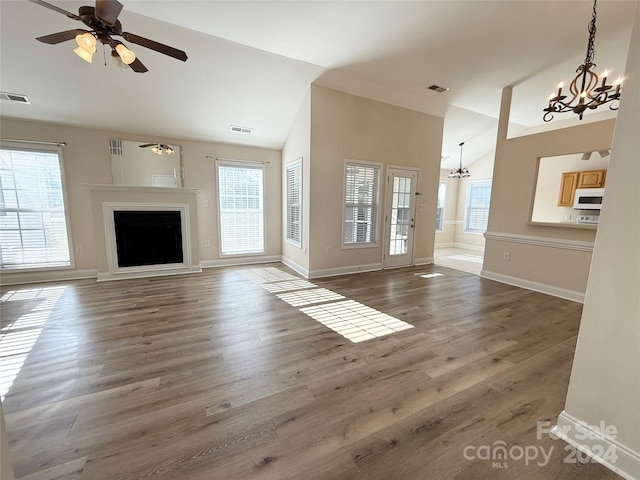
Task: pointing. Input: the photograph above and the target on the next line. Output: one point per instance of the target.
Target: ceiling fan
(158, 148)
(104, 24)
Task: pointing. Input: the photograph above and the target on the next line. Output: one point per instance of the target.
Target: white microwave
(588, 198)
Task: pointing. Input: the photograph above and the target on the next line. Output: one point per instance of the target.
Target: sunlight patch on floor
(355, 321)
(307, 297)
(287, 286)
(18, 337)
(266, 275)
(429, 275)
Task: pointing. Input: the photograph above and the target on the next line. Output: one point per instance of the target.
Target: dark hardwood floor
(211, 376)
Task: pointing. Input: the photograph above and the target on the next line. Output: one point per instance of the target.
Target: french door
(399, 217)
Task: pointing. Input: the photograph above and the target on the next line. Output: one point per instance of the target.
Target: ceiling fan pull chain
(104, 54)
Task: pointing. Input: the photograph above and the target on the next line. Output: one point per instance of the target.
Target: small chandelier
(460, 172)
(161, 149)
(583, 86)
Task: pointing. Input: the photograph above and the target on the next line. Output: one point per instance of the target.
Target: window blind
(362, 186)
(442, 192)
(478, 200)
(33, 223)
(241, 207)
(294, 202)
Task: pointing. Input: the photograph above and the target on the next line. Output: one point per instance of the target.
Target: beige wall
(605, 379)
(540, 257)
(87, 161)
(298, 145)
(347, 127)
(446, 236)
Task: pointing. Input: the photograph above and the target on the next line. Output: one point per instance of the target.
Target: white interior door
(399, 218)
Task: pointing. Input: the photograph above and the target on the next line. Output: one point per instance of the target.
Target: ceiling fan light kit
(584, 89)
(104, 24)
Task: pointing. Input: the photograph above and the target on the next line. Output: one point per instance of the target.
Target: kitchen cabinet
(592, 179)
(568, 186)
(572, 180)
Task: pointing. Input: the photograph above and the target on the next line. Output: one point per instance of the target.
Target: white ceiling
(251, 62)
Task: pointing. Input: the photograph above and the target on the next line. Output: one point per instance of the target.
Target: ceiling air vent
(15, 97)
(237, 129)
(439, 89)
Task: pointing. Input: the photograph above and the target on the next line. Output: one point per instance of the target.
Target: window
(33, 223)
(294, 202)
(241, 209)
(362, 185)
(477, 213)
(442, 192)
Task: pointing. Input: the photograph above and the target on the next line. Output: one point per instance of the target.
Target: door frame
(387, 210)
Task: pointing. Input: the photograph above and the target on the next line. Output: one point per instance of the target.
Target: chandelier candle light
(460, 172)
(583, 88)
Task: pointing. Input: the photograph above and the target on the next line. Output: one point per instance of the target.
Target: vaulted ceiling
(251, 62)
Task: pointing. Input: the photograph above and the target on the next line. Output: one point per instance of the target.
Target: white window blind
(33, 224)
(241, 207)
(362, 188)
(442, 192)
(477, 214)
(294, 202)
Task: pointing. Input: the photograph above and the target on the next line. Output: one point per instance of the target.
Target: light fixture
(126, 55)
(460, 172)
(86, 46)
(161, 149)
(584, 90)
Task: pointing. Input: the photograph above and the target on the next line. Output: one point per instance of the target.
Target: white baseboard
(226, 262)
(443, 245)
(294, 266)
(423, 261)
(592, 442)
(466, 246)
(20, 278)
(332, 272)
(535, 286)
(107, 276)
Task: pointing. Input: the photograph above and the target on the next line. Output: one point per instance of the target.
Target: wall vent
(15, 97)
(439, 89)
(245, 130)
(116, 147)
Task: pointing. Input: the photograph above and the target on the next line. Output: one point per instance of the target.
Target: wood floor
(210, 376)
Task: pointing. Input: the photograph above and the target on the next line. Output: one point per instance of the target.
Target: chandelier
(460, 172)
(584, 90)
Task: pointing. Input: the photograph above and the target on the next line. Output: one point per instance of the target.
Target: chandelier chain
(592, 36)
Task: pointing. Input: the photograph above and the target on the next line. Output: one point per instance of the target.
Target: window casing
(477, 209)
(34, 227)
(240, 208)
(440, 211)
(294, 202)
(361, 207)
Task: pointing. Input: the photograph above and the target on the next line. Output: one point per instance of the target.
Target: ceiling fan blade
(60, 37)
(138, 67)
(147, 145)
(108, 11)
(55, 9)
(153, 45)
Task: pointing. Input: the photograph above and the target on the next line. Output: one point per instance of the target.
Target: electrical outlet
(79, 249)
(205, 203)
(507, 256)
(329, 250)
(207, 244)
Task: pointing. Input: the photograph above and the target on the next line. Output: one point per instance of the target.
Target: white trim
(294, 266)
(443, 244)
(166, 271)
(333, 272)
(423, 261)
(225, 262)
(583, 437)
(541, 241)
(143, 189)
(467, 246)
(46, 276)
(115, 271)
(535, 286)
